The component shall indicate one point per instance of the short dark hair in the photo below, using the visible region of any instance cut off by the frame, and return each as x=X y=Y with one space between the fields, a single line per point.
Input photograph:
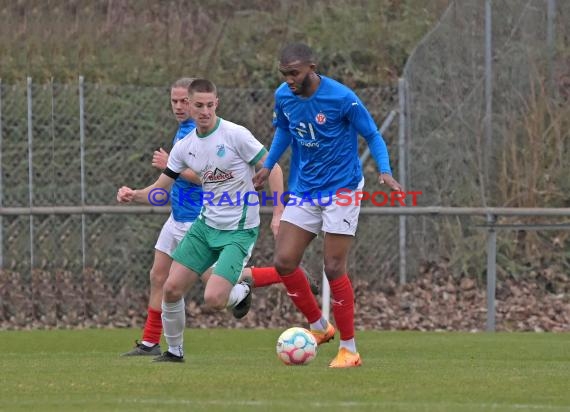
x=297 y=51
x=202 y=86
x=183 y=82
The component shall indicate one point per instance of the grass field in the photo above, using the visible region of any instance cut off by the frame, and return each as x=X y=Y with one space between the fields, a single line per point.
x=237 y=370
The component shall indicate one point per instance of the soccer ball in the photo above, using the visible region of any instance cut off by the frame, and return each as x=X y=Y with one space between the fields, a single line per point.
x=296 y=346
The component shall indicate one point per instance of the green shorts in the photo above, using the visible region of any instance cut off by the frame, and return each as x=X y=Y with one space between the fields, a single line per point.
x=203 y=246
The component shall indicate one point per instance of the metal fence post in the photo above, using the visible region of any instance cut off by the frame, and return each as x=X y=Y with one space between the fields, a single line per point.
x=55 y=245
x=30 y=184
x=491 y=271
x=1 y=188
x=402 y=176
x=82 y=161
x=492 y=235
x=488 y=97
x=326 y=296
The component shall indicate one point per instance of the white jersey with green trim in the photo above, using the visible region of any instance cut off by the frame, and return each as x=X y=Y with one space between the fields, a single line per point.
x=224 y=159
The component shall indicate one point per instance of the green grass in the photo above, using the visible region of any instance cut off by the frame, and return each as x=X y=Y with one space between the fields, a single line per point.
x=237 y=370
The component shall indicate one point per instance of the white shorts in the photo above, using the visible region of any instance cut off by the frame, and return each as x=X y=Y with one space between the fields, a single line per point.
x=337 y=215
x=171 y=234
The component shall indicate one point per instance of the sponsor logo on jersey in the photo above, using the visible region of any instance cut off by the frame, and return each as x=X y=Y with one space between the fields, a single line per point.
x=217 y=176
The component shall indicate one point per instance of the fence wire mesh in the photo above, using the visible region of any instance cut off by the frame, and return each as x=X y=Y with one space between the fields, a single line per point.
x=123 y=126
x=453 y=158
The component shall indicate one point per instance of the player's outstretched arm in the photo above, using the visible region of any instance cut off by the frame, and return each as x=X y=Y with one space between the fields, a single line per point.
x=281 y=141
x=387 y=179
x=360 y=118
x=379 y=151
x=127 y=195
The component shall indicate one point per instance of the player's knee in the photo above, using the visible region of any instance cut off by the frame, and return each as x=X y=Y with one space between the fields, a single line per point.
x=283 y=265
x=215 y=300
x=171 y=293
x=157 y=277
x=335 y=268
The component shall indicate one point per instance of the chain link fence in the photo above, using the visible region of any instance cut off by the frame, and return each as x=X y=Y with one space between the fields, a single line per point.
x=114 y=129
x=486 y=123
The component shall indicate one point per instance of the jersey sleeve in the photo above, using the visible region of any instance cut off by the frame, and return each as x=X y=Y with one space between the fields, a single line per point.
x=359 y=116
x=281 y=141
x=248 y=147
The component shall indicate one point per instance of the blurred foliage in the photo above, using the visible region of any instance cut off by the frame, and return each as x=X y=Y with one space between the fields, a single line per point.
x=234 y=42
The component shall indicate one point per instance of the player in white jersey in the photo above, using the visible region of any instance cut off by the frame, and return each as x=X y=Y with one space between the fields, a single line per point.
x=174 y=229
x=322 y=117
x=224 y=156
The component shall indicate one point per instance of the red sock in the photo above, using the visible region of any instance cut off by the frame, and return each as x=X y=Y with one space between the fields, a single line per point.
x=343 y=306
x=265 y=276
x=299 y=291
x=153 y=326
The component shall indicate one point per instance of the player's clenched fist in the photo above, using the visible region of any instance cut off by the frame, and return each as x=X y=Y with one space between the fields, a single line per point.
x=125 y=195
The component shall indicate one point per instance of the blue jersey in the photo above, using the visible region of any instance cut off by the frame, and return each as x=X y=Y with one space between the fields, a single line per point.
x=187 y=209
x=323 y=131
x=293 y=169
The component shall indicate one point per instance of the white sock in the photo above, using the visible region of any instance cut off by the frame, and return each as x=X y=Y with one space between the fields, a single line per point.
x=348 y=344
x=237 y=294
x=173 y=322
x=148 y=344
x=176 y=350
x=321 y=324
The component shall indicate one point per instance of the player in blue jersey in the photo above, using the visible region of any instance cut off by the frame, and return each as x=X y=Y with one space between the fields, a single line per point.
x=321 y=118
